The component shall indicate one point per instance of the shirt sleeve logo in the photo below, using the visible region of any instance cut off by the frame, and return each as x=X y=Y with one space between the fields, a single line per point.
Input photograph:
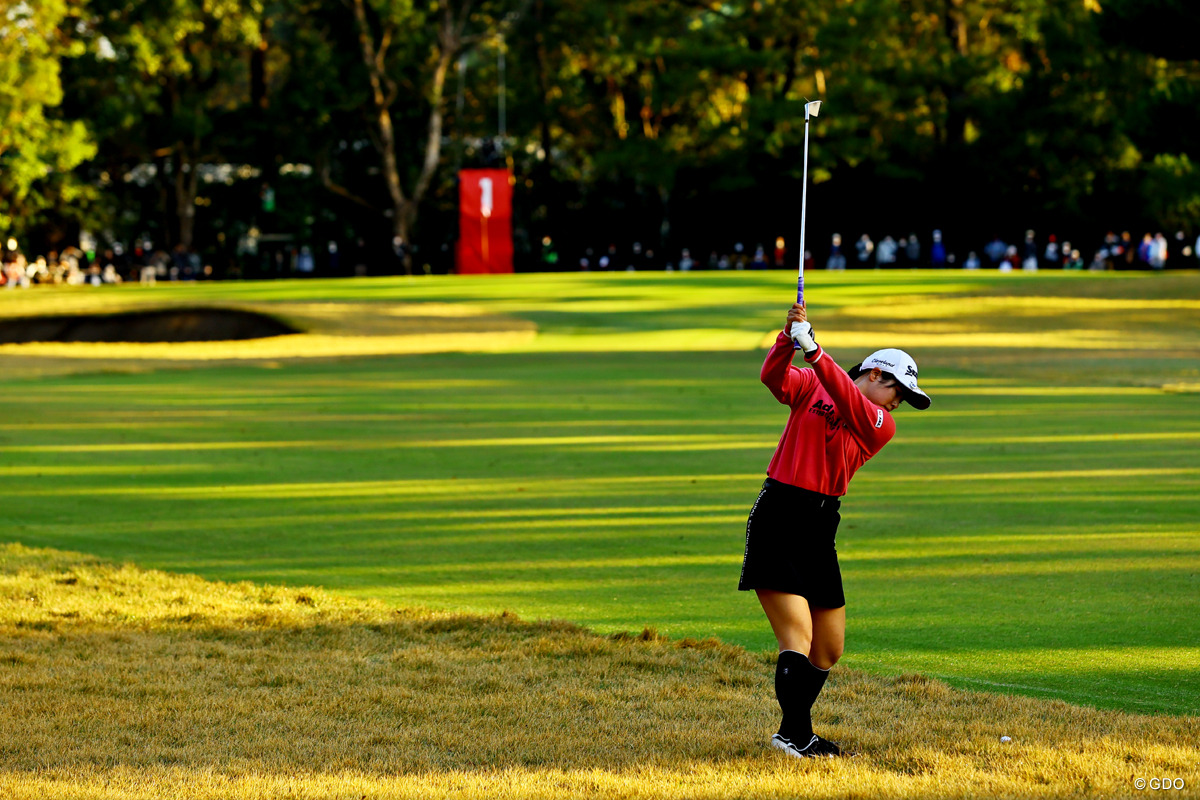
x=879 y=418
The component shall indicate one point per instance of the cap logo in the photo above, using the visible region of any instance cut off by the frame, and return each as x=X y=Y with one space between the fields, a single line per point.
x=881 y=361
x=911 y=371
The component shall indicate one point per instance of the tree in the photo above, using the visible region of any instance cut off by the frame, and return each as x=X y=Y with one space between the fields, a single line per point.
x=401 y=40
x=38 y=150
x=168 y=84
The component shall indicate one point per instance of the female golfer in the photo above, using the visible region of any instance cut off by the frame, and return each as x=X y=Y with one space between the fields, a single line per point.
x=838 y=421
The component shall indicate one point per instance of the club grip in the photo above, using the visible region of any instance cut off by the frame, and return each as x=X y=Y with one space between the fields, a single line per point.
x=800 y=290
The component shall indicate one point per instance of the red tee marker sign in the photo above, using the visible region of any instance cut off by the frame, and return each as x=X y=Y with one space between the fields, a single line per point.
x=484 y=221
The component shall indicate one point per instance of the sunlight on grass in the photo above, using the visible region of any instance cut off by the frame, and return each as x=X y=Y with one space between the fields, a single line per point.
x=58 y=470
x=1056 y=339
x=1061 y=565
x=934 y=307
x=639 y=484
x=151 y=447
x=616 y=313
x=1036 y=475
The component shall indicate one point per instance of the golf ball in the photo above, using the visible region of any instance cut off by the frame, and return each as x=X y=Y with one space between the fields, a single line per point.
x=1006 y=738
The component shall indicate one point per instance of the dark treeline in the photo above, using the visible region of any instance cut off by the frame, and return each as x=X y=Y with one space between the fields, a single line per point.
x=244 y=129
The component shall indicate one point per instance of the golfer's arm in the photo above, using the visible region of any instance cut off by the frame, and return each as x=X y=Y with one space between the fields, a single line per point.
x=868 y=423
x=785 y=381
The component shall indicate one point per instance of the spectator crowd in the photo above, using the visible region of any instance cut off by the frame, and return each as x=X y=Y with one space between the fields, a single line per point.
x=75 y=266
x=145 y=264
x=1152 y=251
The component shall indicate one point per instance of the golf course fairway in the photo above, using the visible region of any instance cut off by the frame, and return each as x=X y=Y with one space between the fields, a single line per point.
x=586 y=448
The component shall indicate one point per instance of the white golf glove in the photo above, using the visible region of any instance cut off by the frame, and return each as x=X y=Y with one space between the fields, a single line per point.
x=802 y=336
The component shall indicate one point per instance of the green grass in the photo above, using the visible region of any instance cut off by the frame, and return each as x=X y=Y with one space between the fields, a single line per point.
x=1034 y=532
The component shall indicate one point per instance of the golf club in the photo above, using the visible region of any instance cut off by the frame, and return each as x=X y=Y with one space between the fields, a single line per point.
x=811 y=109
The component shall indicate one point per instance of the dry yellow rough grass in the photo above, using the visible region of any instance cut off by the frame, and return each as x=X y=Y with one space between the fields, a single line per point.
x=117 y=682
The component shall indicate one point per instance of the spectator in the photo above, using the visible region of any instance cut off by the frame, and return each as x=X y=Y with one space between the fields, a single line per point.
x=1050 y=254
x=760 y=258
x=885 y=253
x=334 y=259
x=714 y=261
x=994 y=250
x=972 y=261
x=1010 y=260
x=1074 y=261
x=836 y=259
x=1116 y=254
x=937 y=251
x=913 y=250
x=1143 y=252
x=780 y=253
x=39 y=271
x=1158 y=251
x=739 y=256
x=1127 y=253
x=649 y=261
x=1112 y=249
x=1099 y=261
x=1030 y=250
x=685 y=260
x=864 y=247
x=304 y=261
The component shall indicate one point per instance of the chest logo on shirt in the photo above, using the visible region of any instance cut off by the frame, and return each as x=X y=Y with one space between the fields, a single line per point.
x=826 y=410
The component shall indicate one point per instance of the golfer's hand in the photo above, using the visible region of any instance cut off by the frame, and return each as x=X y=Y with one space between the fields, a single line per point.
x=803 y=337
x=797 y=313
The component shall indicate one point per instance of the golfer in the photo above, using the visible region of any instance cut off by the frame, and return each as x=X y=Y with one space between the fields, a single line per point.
x=838 y=421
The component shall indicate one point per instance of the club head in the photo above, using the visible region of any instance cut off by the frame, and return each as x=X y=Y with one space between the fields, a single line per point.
x=812 y=108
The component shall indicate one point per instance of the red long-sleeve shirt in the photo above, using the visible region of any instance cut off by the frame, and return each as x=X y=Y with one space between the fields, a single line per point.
x=833 y=428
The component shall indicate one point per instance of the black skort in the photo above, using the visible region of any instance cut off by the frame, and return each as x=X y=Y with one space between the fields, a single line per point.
x=790 y=545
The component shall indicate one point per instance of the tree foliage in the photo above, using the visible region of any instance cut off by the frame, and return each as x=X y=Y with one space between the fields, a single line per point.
x=665 y=120
x=38 y=149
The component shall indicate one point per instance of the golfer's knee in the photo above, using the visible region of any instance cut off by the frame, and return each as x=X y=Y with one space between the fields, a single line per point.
x=826 y=656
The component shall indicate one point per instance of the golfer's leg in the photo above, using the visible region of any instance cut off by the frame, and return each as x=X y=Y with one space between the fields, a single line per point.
x=828 y=636
x=789 y=617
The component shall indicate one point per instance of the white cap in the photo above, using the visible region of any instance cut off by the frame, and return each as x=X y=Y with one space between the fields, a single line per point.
x=899 y=365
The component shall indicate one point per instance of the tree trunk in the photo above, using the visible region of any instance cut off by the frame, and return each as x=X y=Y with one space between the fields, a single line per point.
x=433 y=145
x=187 y=178
x=373 y=59
x=956 y=31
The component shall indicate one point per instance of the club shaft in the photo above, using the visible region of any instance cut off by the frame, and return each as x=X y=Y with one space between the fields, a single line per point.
x=803 y=214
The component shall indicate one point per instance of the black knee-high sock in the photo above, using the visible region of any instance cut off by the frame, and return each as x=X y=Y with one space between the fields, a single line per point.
x=797 y=684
